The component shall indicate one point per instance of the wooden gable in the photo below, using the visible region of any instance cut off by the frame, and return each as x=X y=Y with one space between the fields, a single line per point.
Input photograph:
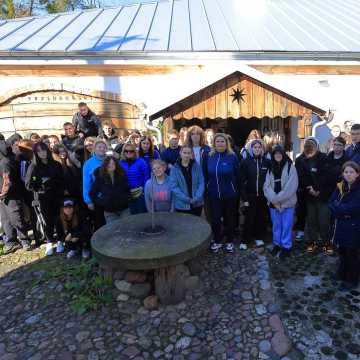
x=258 y=100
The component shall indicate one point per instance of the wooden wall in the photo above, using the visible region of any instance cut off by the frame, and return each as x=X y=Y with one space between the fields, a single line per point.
x=46 y=111
x=216 y=101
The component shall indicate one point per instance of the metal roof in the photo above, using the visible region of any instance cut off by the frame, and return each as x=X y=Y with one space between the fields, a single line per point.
x=258 y=28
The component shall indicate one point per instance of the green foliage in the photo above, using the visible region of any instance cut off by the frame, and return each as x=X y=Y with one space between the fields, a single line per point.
x=1 y=250
x=86 y=289
x=56 y=6
x=7 y=9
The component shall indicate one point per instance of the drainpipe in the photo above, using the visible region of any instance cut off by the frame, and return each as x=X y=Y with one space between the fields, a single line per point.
x=149 y=126
x=327 y=118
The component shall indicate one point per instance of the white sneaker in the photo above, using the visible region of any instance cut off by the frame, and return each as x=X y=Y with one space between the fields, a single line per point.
x=49 y=250
x=299 y=235
x=85 y=253
x=243 y=246
x=71 y=254
x=259 y=243
x=215 y=247
x=229 y=247
x=59 y=247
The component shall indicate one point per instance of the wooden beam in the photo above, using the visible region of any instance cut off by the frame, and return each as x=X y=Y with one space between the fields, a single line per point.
x=93 y=70
x=309 y=69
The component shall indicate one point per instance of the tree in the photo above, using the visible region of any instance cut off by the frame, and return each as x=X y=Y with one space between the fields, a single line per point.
x=55 y=6
x=7 y=9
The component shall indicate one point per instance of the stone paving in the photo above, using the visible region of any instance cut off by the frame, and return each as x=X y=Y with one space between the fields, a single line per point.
x=246 y=306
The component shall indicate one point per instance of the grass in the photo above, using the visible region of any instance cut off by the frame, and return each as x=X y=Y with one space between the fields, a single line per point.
x=86 y=289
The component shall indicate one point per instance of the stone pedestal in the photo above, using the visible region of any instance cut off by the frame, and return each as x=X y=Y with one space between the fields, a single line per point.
x=123 y=245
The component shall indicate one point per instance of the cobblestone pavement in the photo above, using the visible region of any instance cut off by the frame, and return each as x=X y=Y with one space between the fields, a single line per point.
x=323 y=322
x=233 y=312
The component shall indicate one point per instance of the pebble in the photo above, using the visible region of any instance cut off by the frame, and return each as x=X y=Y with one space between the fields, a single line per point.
x=131 y=351
x=281 y=344
x=122 y=286
x=260 y=309
x=189 y=329
x=264 y=346
x=151 y=302
x=33 y=319
x=183 y=343
x=82 y=335
x=246 y=295
x=122 y=297
x=140 y=291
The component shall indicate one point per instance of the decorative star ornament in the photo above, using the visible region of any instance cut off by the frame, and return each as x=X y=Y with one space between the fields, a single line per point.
x=238 y=95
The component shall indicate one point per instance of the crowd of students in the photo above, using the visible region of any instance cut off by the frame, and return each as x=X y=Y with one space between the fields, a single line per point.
x=64 y=188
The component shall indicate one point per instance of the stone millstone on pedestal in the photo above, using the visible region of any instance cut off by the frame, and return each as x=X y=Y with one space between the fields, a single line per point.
x=124 y=245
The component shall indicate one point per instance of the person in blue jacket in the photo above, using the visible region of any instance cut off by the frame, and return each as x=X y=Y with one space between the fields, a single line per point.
x=187 y=183
x=353 y=151
x=344 y=204
x=221 y=171
x=137 y=172
x=147 y=150
x=90 y=165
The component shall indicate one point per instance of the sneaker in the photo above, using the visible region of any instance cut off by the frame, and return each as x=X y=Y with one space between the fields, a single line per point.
x=299 y=235
x=284 y=253
x=59 y=247
x=243 y=246
x=312 y=248
x=49 y=250
x=259 y=243
x=275 y=251
x=10 y=247
x=215 y=247
x=229 y=247
x=71 y=254
x=26 y=245
x=85 y=253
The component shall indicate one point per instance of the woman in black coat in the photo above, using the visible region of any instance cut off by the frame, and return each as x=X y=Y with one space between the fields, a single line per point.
x=111 y=190
x=345 y=207
x=45 y=179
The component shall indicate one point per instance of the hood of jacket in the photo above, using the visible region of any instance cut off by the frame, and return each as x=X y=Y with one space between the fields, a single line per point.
x=250 y=145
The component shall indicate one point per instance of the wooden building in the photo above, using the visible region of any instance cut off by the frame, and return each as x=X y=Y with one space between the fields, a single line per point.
x=241 y=103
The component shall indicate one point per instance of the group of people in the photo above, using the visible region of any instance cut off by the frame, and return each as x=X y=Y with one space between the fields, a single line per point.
x=64 y=188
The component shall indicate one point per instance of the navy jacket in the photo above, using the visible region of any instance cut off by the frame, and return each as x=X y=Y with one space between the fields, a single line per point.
x=170 y=156
x=345 y=206
x=353 y=152
x=252 y=176
x=221 y=172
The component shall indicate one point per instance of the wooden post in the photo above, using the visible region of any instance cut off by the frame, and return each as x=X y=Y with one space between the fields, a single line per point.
x=170 y=285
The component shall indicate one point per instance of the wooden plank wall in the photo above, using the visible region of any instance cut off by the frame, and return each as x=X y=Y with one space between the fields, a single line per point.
x=216 y=102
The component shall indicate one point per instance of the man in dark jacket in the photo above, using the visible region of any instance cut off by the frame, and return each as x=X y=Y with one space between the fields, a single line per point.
x=71 y=140
x=85 y=121
x=11 y=206
x=108 y=133
x=171 y=154
x=353 y=151
x=315 y=188
x=252 y=177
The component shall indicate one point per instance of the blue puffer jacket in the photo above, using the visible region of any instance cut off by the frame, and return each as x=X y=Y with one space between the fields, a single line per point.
x=180 y=190
x=221 y=171
x=137 y=173
x=89 y=168
x=345 y=206
x=353 y=152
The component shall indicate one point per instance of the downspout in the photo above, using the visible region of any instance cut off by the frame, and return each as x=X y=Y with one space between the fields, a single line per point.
x=149 y=126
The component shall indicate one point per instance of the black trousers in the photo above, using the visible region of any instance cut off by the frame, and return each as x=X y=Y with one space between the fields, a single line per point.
x=349 y=268
x=13 y=220
x=193 y=211
x=223 y=213
x=301 y=211
x=256 y=218
x=50 y=210
x=97 y=217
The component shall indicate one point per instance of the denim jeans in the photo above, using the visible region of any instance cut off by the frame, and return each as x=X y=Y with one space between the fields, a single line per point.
x=282 y=224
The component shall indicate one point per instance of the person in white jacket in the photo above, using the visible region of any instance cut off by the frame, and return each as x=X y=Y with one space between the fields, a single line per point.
x=280 y=191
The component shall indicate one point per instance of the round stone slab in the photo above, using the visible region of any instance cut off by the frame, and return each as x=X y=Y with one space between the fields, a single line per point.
x=123 y=244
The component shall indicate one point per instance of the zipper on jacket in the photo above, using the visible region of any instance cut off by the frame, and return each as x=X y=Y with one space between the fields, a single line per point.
x=216 y=172
x=257 y=177
x=233 y=186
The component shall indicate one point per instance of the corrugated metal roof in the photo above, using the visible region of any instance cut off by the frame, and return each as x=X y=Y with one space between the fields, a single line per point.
x=239 y=26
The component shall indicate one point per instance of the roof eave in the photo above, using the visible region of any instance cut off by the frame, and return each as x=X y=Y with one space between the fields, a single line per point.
x=187 y=55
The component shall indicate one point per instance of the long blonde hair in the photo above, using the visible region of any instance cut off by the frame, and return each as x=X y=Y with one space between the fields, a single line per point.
x=229 y=149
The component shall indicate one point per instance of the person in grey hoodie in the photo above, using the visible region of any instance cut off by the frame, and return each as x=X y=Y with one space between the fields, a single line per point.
x=158 y=196
x=280 y=188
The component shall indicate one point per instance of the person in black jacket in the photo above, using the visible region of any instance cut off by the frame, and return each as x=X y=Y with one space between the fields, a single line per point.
x=73 y=230
x=253 y=171
x=71 y=140
x=108 y=133
x=110 y=190
x=316 y=189
x=85 y=121
x=11 y=207
x=45 y=179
